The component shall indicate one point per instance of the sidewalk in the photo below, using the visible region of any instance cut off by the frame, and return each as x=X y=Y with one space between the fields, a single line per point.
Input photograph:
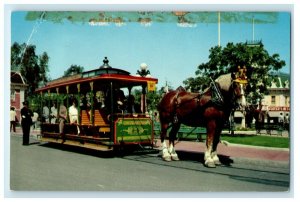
x=34 y=135
x=33 y=132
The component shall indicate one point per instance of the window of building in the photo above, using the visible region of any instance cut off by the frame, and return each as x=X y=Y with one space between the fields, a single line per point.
x=273 y=100
x=287 y=103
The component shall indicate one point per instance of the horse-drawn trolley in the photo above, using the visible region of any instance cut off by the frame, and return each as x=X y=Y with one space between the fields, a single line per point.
x=103 y=115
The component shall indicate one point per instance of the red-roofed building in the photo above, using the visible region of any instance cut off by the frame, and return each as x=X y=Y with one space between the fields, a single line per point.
x=17 y=91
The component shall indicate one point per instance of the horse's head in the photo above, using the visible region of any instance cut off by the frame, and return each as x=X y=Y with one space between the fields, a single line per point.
x=233 y=87
x=238 y=86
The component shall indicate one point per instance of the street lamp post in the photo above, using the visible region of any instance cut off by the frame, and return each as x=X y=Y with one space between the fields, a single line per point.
x=143 y=72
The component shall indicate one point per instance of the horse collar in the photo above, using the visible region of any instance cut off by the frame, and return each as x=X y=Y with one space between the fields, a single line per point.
x=216 y=96
x=176 y=99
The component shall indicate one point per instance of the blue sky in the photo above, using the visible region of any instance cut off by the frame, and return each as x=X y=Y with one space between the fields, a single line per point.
x=172 y=53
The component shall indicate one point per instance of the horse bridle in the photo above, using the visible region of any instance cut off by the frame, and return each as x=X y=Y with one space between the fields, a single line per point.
x=235 y=97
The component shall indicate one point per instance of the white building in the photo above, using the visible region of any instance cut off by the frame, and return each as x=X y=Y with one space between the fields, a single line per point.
x=277 y=103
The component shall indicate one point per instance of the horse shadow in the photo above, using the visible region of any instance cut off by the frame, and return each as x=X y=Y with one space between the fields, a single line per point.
x=199 y=157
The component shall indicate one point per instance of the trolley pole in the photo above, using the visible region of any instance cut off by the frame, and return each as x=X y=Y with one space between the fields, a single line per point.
x=92 y=103
x=78 y=104
x=143 y=104
x=67 y=89
x=112 y=112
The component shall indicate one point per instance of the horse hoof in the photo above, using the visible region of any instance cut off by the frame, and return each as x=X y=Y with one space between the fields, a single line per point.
x=215 y=159
x=210 y=164
x=217 y=163
x=174 y=158
x=167 y=158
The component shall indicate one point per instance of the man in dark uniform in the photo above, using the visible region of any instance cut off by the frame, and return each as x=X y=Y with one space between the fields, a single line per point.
x=26 y=122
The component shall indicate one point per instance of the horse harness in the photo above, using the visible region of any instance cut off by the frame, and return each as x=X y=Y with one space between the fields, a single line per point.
x=216 y=99
x=216 y=96
x=178 y=103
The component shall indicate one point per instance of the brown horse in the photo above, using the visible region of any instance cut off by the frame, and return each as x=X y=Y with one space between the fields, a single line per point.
x=210 y=109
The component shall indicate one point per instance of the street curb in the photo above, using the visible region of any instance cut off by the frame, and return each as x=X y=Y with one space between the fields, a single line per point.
x=258 y=147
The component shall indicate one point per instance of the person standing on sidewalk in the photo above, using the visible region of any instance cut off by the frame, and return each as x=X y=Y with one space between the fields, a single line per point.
x=26 y=122
x=13 y=119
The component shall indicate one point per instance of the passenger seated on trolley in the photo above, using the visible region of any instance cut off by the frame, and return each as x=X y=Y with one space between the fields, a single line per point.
x=118 y=101
x=73 y=115
x=97 y=104
x=45 y=114
x=132 y=107
x=83 y=103
x=120 y=97
x=34 y=120
x=62 y=117
x=53 y=114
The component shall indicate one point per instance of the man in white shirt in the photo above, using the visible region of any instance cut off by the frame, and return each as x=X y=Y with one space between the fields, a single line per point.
x=46 y=114
x=34 y=119
x=53 y=113
x=13 y=119
x=73 y=115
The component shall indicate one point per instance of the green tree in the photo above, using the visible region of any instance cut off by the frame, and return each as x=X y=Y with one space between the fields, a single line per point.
x=196 y=84
x=33 y=68
x=73 y=69
x=15 y=59
x=153 y=99
x=44 y=59
x=255 y=58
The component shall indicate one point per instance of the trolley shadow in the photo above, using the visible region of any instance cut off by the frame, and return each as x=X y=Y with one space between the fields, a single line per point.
x=79 y=150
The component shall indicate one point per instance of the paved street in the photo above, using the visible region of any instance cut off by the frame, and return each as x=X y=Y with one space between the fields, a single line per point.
x=46 y=167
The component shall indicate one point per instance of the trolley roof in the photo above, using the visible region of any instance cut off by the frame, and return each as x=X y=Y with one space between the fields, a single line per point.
x=99 y=78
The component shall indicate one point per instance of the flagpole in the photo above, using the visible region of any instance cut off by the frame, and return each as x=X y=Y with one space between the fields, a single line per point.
x=253 y=29
x=219 y=28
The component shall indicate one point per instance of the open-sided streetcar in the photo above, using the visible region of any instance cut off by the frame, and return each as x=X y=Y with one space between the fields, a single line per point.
x=104 y=121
